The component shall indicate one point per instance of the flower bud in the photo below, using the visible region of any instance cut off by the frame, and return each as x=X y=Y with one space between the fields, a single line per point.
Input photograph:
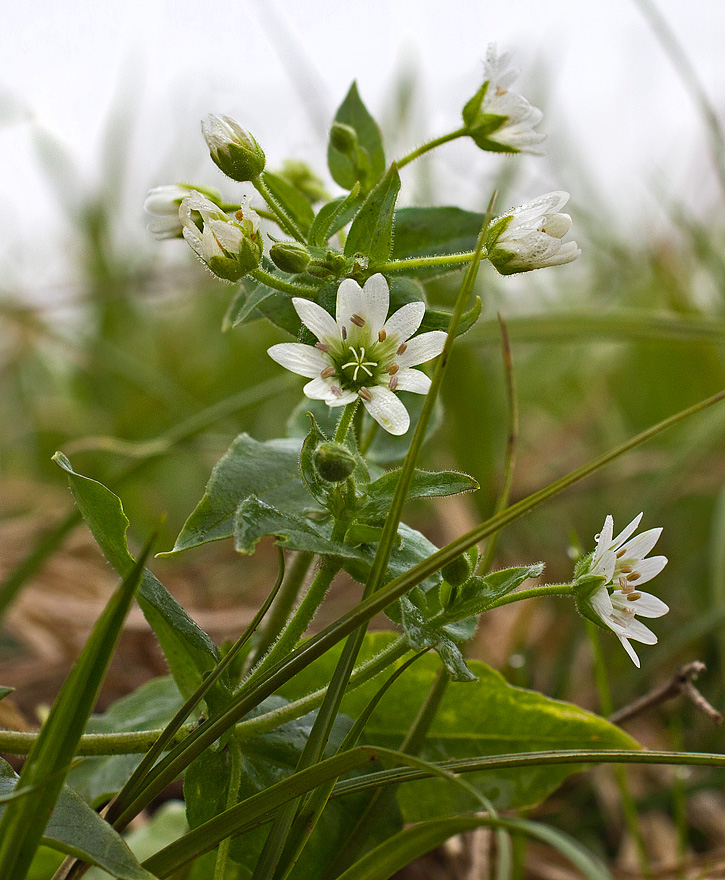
x=303 y=178
x=343 y=138
x=457 y=571
x=162 y=203
x=333 y=461
x=230 y=248
x=289 y=256
x=233 y=149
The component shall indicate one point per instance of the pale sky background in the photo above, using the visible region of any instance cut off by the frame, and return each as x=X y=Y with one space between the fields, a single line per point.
x=610 y=94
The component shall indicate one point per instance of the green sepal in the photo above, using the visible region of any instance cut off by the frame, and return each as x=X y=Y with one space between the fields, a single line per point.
x=472 y=107
x=367 y=163
x=371 y=233
x=584 y=587
x=291 y=199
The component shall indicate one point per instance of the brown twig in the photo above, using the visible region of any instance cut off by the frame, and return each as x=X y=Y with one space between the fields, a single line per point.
x=680 y=683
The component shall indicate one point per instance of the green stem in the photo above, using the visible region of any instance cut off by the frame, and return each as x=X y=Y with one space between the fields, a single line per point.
x=431 y=145
x=235 y=778
x=346 y=418
x=629 y=808
x=130 y=742
x=409 y=263
x=282 y=218
x=533 y=593
x=273 y=281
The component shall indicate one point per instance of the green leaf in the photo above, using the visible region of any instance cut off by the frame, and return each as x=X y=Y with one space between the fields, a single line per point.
x=255 y=519
x=24 y=819
x=152 y=706
x=343 y=168
x=371 y=232
x=428 y=232
x=188 y=649
x=421 y=634
x=4 y=691
x=77 y=830
x=410 y=548
x=291 y=200
x=244 y=306
x=435 y=319
x=479 y=592
x=405 y=846
x=425 y=484
x=333 y=216
x=270 y=471
x=486 y=717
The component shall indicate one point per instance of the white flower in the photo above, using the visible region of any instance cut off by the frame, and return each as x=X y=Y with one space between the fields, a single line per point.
x=232 y=148
x=360 y=354
x=162 y=203
x=229 y=247
x=622 y=562
x=530 y=237
x=498 y=119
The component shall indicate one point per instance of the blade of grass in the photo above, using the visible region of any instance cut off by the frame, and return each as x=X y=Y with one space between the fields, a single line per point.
x=24 y=820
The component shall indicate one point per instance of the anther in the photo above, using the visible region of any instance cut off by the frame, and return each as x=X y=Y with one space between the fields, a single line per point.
x=393 y=369
x=624 y=586
x=357 y=320
x=393 y=384
x=402 y=347
x=620 y=553
x=239 y=215
x=344 y=332
x=382 y=336
x=635 y=576
x=626 y=568
x=321 y=346
x=327 y=372
x=364 y=394
x=632 y=596
x=336 y=390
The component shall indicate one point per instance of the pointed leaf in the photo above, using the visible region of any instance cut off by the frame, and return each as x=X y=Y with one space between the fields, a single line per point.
x=479 y=592
x=333 y=216
x=291 y=199
x=371 y=232
x=435 y=319
x=425 y=484
x=246 y=301
x=427 y=232
x=354 y=113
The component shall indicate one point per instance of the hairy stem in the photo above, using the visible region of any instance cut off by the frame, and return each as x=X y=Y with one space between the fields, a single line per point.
x=431 y=145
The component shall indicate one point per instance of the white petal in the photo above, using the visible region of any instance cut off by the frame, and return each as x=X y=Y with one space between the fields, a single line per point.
x=605 y=564
x=646 y=605
x=422 y=348
x=604 y=538
x=228 y=235
x=344 y=398
x=376 y=300
x=349 y=302
x=602 y=605
x=387 y=410
x=641 y=545
x=403 y=324
x=194 y=241
x=557 y=225
x=649 y=568
x=412 y=380
x=164 y=227
x=567 y=253
x=626 y=532
x=320 y=322
x=629 y=649
x=301 y=359
x=319 y=389
x=640 y=633
x=549 y=203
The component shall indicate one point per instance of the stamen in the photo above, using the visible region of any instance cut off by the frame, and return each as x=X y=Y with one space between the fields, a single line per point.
x=321 y=346
x=327 y=372
x=624 y=586
x=364 y=394
x=393 y=384
x=620 y=553
x=357 y=320
x=393 y=369
x=336 y=390
x=635 y=576
x=633 y=596
x=626 y=568
x=402 y=347
x=382 y=336
x=344 y=332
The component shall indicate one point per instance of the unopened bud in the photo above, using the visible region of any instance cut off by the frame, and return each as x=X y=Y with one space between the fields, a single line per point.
x=233 y=149
x=333 y=461
x=343 y=138
x=289 y=256
x=457 y=571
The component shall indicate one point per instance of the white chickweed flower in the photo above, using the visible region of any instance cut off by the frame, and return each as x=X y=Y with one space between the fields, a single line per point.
x=361 y=354
x=232 y=148
x=622 y=562
x=530 y=237
x=500 y=120
x=162 y=203
x=230 y=247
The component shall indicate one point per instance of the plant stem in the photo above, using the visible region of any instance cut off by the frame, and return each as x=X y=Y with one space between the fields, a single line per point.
x=235 y=778
x=283 y=219
x=629 y=808
x=532 y=593
x=345 y=421
x=405 y=265
x=431 y=145
x=270 y=280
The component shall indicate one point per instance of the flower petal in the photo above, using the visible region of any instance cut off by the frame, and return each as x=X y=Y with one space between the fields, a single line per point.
x=649 y=568
x=602 y=605
x=640 y=546
x=617 y=542
x=387 y=410
x=301 y=359
x=412 y=380
x=422 y=348
x=629 y=649
x=403 y=324
x=319 y=389
x=376 y=300
x=349 y=302
x=646 y=605
x=604 y=538
x=319 y=321
x=640 y=633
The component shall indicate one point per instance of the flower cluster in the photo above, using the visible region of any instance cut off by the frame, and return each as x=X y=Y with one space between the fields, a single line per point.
x=623 y=565
x=530 y=237
x=360 y=354
x=498 y=119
